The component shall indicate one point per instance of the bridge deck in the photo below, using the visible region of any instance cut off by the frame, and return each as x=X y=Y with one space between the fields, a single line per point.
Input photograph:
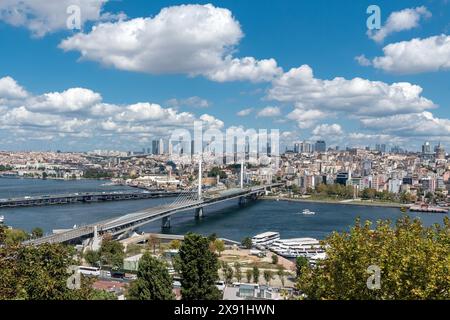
x=134 y=220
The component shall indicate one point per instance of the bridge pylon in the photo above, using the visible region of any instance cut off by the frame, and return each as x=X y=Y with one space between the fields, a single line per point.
x=242 y=174
x=165 y=223
x=200 y=179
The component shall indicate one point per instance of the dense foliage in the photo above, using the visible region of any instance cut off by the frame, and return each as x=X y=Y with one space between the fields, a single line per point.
x=198 y=267
x=153 y=282
x=414 y=262
x=41 y=273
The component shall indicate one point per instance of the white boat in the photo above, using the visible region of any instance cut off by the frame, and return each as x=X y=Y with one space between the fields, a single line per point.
x=307 y=212
x=265 y=239
x=2 y=219
x=292 y=248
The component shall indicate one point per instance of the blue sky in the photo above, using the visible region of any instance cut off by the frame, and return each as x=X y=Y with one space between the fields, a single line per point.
x=126 y=91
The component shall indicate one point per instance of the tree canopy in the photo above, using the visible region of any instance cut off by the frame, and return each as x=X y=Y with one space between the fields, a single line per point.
x=198 y=267
x=41 y=273
x=414 y=262
x=153 y=282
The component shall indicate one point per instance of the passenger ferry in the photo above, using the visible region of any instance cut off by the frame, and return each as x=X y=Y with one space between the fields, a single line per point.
x=293 y=248
x=265 y=239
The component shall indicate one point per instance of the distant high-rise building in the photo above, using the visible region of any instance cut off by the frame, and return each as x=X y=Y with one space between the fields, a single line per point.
x=320 y=146
x=380 y=148
x=158 y=147
x=440 y=152
x=426 y=148
x=306 y=147
x=297 y=147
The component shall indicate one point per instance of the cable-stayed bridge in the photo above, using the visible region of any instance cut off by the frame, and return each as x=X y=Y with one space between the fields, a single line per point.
x=185 y=201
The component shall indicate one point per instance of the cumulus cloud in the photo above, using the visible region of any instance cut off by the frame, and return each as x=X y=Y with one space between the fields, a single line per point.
x=195 y=102
x=43 y=16
x=363 y=61
x=328 y=130
x=269 y=112
x=81 y=113
x=416 y=56
x=71 y=100
x=423 y=124
x=10 y=89
x=186 y=39
x=306 y=118
x=244 y=112
x=357 y=96
x=399 y=21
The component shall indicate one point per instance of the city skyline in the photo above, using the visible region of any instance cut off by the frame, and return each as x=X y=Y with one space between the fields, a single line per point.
x=240 y=74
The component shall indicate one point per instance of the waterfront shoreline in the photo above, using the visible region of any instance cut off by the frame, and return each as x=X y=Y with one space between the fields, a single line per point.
x=362 y=204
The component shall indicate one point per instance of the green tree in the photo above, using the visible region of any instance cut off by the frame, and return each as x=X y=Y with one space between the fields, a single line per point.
x=300 y=264
x=247 y=243
x=281 y=274
x=227 y=272
x=255 y=273
x=153 y=282
x=414 y=262
x=268 y=275
x=249 y=275
x=92 y=257
x=40 y=273
x=15 y=236
x=112 y=253
x=37 y=233
x=153 y=242
x=214 y=172
x=220 y=246
x=198 y=268
x=175 y=244
x=274 y=259
x=238 y=271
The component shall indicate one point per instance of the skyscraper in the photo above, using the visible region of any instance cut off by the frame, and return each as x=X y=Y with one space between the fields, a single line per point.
x=320 y=146
x=426 y=148
x=158 y=147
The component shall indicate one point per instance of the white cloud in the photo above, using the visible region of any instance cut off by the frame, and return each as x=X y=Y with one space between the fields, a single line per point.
x=186 y=39
x=43 y=16
x=306 y=118
x=363 y=61
x=358 y=97
x=269 y=112
x=244 y=112
x=399 y=21
x=10 y=89
x=416 y=56
x=247 y=68
x=423 y=124
x=328 y=130
x=81 y=113
x=71 y=100
x=211 y=121
x=195 y=102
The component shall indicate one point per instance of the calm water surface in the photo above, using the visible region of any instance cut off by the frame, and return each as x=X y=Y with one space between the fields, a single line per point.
x=228 y=220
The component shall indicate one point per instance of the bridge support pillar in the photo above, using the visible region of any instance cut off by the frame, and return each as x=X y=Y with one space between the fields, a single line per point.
x=199 y=213
x=242 y=201
x=165 y=223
